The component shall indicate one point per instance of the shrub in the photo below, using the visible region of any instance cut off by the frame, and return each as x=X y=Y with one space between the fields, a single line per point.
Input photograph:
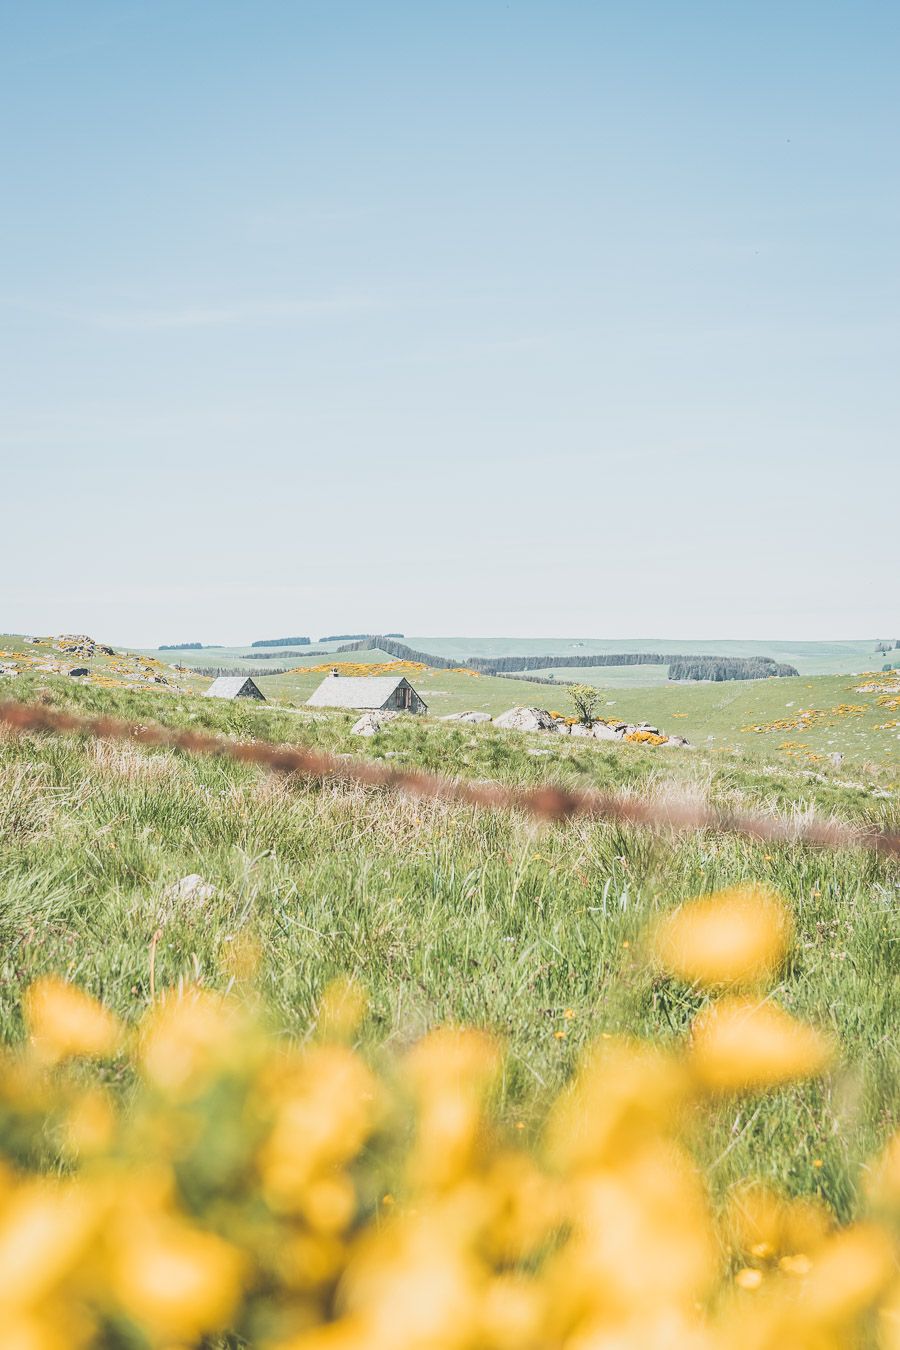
x=585 y=700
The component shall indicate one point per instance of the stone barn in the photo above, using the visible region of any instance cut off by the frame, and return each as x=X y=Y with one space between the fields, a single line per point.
x=369 y=693
x=234 y=686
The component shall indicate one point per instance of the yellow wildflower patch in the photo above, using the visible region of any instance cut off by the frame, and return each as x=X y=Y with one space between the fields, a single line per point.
x=291 y=1197
x=361 y=668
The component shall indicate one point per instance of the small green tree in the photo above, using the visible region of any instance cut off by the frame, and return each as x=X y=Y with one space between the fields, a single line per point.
x=585 y=699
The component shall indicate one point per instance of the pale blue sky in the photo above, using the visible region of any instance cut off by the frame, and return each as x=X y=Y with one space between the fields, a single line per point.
x=527 y=318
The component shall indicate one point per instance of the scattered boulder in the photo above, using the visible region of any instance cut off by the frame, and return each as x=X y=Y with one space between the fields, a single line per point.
x=79 y=644
x=538 y=719
x=601 y=732
x=525 y=719
x=371 y=723
x=191 y=890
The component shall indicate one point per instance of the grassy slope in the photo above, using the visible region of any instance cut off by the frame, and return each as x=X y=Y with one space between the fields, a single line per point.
x=443 y=913
x=716 y=716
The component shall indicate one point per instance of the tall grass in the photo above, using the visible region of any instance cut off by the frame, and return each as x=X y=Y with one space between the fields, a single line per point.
x=443 y=913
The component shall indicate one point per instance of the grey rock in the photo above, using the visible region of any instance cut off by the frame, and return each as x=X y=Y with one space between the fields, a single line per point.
x=601 y=732
x=372 y=722
x=525 y=719
x=191 y=889
x=579 y=729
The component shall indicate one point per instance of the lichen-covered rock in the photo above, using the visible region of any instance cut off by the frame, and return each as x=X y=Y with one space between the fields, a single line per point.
x=79 y=644
x=601 y=732
x=372 y=722
x=191 y=890
x=525 y=719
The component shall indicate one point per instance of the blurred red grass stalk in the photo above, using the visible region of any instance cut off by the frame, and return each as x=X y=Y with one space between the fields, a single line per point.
x=548 y=802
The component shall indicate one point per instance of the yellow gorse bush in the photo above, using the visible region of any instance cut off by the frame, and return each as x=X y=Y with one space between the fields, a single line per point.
x=293 y=1198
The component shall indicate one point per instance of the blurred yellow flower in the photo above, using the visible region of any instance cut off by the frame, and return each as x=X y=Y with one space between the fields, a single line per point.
x=740 y=1044
x=45 y=1230
x=187 y=1040
x=883 y=1185
x=64 y=1021
x=450 y=1072
x=173 y=1279
x=848 y=1275
x=737 y=936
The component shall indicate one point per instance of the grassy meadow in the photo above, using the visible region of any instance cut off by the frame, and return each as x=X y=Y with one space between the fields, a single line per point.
x=764 y=718
x=445 y=914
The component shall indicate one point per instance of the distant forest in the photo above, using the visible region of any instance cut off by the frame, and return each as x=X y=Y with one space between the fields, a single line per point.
x=354 y=637
x=726 y=668
x=680 y=667
x=213 y=672
x=180 y=647
x=282 y=642
x=280 y=655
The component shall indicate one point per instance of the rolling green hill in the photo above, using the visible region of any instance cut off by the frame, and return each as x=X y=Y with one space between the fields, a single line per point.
x=810 y=658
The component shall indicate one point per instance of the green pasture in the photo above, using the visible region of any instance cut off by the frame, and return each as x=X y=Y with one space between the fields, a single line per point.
x=444 y=913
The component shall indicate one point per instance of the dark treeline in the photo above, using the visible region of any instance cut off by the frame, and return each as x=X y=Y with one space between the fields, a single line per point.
x=714 y=667
x=213 y=672
x=499 y=665
x=385 y=643
x=281 y=642
x=354 y=637
x=280 y=655
x=727 y=668
x=180 y=647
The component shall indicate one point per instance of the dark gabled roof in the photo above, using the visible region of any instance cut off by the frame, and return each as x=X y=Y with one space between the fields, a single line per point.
x=230 y=686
